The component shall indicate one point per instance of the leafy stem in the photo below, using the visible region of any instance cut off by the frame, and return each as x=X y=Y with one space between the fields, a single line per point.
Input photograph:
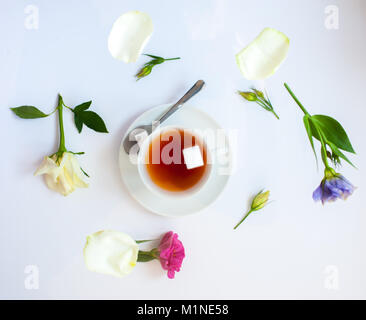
x=71 y=109
x=61 y=148
x=323 y=148
x=296 y=100
x=328 y=131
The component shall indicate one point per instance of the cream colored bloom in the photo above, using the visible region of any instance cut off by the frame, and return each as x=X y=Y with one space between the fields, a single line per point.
x=110 y=252
x=63 y=176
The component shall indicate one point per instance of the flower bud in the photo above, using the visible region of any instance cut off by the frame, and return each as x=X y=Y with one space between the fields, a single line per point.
x=260 y=200
x=250 y=96
x=259 y=93
x=144 y=72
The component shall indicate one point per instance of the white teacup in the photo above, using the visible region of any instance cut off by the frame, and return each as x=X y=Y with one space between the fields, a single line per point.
x=145 y=176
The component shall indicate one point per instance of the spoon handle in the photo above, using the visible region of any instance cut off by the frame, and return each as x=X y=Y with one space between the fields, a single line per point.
x=189 y=94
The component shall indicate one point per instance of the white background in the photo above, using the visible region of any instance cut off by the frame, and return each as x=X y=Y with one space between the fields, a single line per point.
x=281 y=252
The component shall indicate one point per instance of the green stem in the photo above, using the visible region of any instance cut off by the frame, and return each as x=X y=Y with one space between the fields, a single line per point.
x=295 y=98
x=275 y=114
x=263 y=105
x=61 y=147
x=266 y=104
x=239 y=223
x=172 y=59
x=146 y=256
x=142 y=241
x=323 y=148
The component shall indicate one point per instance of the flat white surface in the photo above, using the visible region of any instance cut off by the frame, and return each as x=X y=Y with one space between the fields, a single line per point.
x=282 y=251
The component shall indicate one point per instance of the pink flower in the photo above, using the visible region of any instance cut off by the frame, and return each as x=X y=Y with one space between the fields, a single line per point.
x=171 y=253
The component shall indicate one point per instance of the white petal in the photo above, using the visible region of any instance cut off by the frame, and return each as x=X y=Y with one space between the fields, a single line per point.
x=129 y=35
x=262 y=57
x=56 y=185
x=46 y=166
x=110 y=252
x=73 y=171
x=65 y=183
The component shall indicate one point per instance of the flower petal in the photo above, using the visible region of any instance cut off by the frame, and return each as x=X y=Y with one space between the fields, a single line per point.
x=52 y=184
x=65 y=182
x=110 y=252
x=317 y=194
x=74 y=172
x=332 y=188
x=46 y=166
x=171 y=253
x=262 y=57
x=129 y=35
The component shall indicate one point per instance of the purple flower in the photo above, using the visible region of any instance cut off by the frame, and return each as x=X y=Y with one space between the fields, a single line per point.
x=332 y=187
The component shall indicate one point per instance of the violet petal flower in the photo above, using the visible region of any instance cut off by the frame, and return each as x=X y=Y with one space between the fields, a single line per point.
x=334 y=186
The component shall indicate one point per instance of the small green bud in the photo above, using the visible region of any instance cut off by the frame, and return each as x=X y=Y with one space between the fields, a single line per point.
x=250 y=96
x=258 y=93
x=144 y=72
x=260 y=200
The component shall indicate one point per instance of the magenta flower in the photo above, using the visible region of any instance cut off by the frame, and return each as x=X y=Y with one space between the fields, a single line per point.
x=171 y=253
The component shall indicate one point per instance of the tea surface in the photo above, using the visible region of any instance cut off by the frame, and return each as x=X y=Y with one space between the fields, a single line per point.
x=165 y=162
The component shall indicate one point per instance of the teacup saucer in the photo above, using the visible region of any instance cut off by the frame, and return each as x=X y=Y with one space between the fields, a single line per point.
x=189 y=117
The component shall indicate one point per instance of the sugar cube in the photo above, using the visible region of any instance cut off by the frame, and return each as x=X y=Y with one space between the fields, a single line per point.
x=193 y=157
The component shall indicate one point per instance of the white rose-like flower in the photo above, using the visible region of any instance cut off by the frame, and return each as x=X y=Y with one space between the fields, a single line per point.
x=110 y=252
x=63 y=176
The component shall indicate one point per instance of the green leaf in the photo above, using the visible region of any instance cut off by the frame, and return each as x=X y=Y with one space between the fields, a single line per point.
x=84 y=172
x=144 y=256
x=339 y=153
x=82 y=107
x=333 y=132
x=155 y=57
x=78 y=122
x=93 y=121
x=307 y=120
x=29 y=112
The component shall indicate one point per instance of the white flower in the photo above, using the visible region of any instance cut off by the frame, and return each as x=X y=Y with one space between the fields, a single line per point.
x=129 y=35
x=63 y=176
x=262 y=57
x=110 y=252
